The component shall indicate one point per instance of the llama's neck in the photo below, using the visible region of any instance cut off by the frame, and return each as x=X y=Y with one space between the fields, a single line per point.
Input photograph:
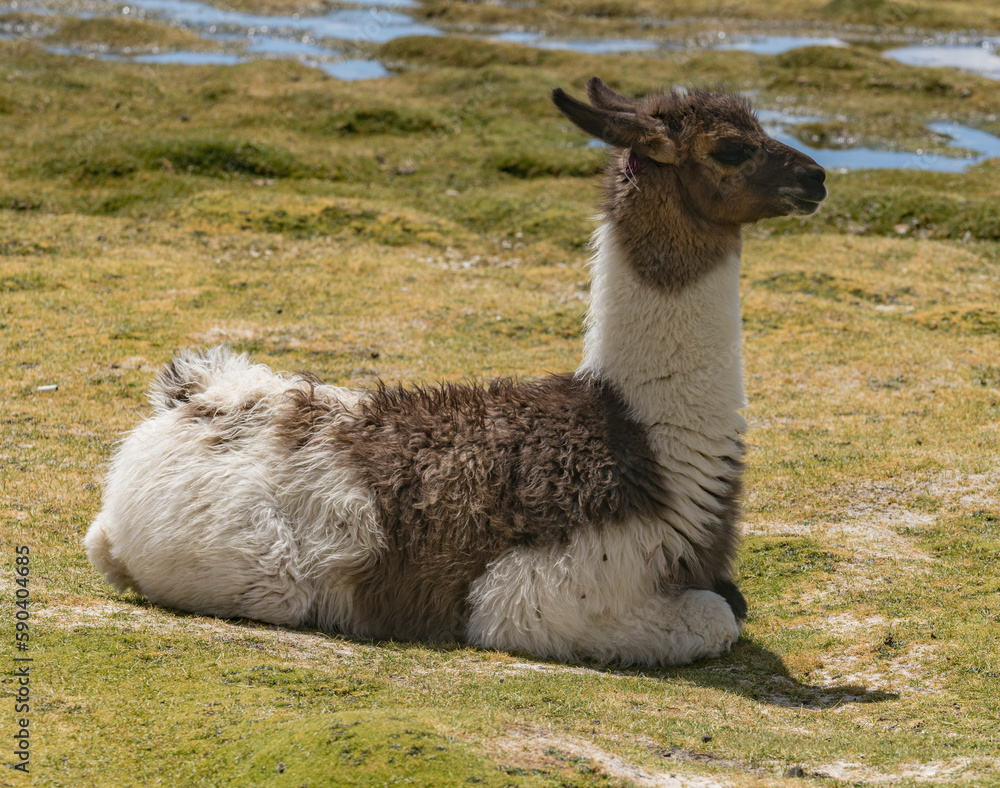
x=675 y=356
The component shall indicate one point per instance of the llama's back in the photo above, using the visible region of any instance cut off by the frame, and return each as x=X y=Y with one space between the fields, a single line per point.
x=190 y=516
x=190 y=374
x=215 y=378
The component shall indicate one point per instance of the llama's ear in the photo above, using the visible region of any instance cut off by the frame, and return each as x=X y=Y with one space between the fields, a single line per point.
x=620 y=129
x=601 y=95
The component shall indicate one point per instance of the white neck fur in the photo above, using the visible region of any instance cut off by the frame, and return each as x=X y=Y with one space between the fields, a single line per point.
x=675 y=357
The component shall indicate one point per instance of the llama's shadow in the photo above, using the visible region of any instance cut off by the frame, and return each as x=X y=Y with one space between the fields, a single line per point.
x=758 y=673
x=749 y=669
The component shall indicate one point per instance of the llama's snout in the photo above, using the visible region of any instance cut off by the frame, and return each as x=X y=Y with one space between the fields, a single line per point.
x=812 y=186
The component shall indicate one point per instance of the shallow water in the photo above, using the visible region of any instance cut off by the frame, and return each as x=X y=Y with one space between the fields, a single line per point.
x=775 y=45
x=982 y=145
x=593 y=46
x=272 y=45
x=346 y=70
x=777 y=118
x=377 y=21
x=977 y=58
x=189 y=58
x=243 y=37
x=374 y=24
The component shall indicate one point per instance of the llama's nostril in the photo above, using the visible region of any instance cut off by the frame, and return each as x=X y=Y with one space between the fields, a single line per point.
x=818 y=174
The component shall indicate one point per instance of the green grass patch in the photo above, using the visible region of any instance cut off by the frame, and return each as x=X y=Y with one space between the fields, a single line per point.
x=384 y=120
x=121 y=34
x=434 y=226
x=965 y=319
x=214 y=157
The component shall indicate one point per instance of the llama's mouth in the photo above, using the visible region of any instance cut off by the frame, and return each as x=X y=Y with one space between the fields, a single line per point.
x=803 y=206
x=806 y=201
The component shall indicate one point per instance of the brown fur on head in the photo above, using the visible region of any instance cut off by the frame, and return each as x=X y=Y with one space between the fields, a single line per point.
x=733 y=171
x=692 y=169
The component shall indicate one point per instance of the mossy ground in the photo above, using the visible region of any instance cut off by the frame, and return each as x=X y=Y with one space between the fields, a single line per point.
x=432 y=226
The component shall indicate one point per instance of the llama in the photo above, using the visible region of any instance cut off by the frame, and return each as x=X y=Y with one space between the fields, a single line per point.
x=585 y=516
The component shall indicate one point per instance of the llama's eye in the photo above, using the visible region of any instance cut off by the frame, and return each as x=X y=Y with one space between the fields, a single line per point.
x=733 y=154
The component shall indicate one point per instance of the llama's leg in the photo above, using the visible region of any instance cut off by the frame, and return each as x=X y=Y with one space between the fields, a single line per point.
x=729 y=591
x=277 y=591
x=573 y=602
x=668 y=629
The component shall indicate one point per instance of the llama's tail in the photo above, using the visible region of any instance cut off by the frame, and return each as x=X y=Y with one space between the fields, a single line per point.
x=194 y=372
x=98 y=544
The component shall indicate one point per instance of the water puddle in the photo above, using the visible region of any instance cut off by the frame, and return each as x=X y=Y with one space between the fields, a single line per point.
x=977 y=58
x=774 y=45
x=762 y=44
x=983 y=146
x=189 y=58
x=374 y=24
x=354 y=69
x=594 y=46
x=242 y=37
x=245 y=36
x=344 y=69
x=286 y=47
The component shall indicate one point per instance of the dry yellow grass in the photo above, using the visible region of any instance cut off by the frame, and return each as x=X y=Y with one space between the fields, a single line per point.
x=278 y=218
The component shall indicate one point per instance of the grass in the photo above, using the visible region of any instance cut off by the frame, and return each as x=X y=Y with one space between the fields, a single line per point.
x=432 y=226
x=677 y=20
x=119 y=34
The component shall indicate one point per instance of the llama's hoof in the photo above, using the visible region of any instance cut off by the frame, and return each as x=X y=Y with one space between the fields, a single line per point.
x=710 y=623
x=728 y=590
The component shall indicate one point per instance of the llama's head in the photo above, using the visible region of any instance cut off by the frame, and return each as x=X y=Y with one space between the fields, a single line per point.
x=709 y=148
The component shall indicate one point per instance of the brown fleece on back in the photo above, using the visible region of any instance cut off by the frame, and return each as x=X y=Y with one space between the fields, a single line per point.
x=460 y=474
